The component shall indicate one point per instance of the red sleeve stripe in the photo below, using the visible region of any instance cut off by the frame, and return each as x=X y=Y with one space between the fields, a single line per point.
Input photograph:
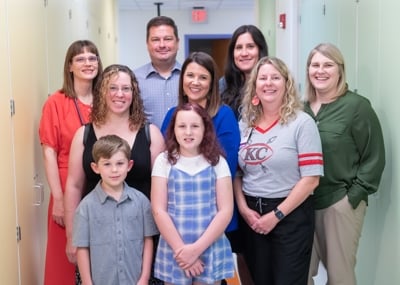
x=302 y=155
x=310 y=159
x=311 y=162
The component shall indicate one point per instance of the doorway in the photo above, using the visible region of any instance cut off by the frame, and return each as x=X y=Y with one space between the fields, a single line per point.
x=214 y=45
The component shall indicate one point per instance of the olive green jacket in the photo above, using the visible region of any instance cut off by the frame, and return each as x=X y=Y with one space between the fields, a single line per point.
x=353 y=150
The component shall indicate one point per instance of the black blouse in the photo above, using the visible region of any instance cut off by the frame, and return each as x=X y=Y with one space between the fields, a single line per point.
x=139 y=177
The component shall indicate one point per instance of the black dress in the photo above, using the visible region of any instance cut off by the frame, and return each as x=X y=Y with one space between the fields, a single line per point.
x=139 y=177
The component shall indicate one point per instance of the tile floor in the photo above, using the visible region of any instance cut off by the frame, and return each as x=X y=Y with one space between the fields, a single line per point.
x=320 y=279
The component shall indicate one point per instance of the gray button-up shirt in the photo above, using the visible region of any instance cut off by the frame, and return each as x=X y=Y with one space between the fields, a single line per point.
x=114 y=232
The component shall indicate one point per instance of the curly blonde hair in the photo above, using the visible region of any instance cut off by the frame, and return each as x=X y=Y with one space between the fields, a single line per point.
x=291 y=102
x=137 y=117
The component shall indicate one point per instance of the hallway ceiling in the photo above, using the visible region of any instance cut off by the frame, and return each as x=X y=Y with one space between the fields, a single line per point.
x=185 y=4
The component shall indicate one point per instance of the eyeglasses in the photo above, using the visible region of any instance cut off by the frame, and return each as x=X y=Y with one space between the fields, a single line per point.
x=124 y=89
x=83 y=60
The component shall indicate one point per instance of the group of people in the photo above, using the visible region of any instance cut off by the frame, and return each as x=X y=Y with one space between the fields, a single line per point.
x=170 y=175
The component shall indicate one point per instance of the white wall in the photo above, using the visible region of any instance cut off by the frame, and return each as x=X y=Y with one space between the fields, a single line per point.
x=365 y=31
x=132 y=30
x=34 y=37
x=287 y=38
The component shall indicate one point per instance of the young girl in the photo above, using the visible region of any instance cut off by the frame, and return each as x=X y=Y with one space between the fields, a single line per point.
x=192 y=202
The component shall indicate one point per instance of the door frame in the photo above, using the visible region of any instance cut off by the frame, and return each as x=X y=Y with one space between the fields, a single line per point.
x=220 y=40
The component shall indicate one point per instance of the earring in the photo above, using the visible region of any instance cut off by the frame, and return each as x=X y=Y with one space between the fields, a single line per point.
x=255 y=101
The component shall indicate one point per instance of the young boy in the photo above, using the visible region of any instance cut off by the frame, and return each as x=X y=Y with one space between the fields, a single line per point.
x=113 y=224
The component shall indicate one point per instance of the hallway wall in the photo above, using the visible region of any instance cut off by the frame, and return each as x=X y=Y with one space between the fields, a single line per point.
x=34 y=36
x=365 y=32
x=132 y=30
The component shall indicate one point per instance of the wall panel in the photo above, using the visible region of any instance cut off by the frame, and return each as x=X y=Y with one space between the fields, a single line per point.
x=34 y=36
x=29 y=84
x=381 y=75
x=8 y=245
x=365 y=31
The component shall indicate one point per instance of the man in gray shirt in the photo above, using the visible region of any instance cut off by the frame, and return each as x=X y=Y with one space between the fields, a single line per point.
x=159 y=79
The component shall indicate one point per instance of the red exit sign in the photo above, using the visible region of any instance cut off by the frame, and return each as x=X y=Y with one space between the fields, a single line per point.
x=199 y=15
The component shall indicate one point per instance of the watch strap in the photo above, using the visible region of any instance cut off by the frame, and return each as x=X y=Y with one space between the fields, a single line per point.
x=279 y=214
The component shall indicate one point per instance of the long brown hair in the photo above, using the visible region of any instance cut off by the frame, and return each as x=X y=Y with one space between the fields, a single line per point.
x=213 y=98
x=74 y=49
x=235 y=78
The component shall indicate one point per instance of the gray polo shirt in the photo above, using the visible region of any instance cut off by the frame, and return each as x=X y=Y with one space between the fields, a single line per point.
x=114 y=231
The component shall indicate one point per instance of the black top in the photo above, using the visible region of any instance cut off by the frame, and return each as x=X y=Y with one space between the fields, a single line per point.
x=139 y=177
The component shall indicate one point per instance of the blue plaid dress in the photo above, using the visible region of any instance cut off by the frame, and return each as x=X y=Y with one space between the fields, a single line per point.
x=192 y=205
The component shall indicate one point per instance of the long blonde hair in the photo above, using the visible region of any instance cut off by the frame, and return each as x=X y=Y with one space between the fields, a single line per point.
x=290 y=104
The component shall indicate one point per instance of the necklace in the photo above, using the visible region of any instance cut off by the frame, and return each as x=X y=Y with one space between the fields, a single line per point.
x=79 y=111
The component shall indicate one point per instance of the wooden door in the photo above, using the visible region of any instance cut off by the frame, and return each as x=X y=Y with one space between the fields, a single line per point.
x=219 y=51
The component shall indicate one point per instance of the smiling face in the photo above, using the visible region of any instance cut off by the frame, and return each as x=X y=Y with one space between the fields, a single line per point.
x=189 y=132
x=323 y=74
x=246 y=53
x=84 y=66
x=162 y=45
x=196 y=83
x=270 y=86
x=119 y=96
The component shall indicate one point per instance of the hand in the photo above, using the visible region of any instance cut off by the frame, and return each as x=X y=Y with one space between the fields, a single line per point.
x=70 y=250
x=58 y=212
x=186 y=256
x=195 y=270
x=250 y=216
x=265 y=224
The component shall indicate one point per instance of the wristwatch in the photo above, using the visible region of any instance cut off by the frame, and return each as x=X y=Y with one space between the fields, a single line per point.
x=279 y=214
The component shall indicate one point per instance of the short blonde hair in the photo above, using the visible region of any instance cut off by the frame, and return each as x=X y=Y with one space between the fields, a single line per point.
x=333 y=53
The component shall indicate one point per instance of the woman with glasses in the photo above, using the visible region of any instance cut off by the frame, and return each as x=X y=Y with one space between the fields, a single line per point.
x=63 y=113
x=117 y=109
x=354 y=159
